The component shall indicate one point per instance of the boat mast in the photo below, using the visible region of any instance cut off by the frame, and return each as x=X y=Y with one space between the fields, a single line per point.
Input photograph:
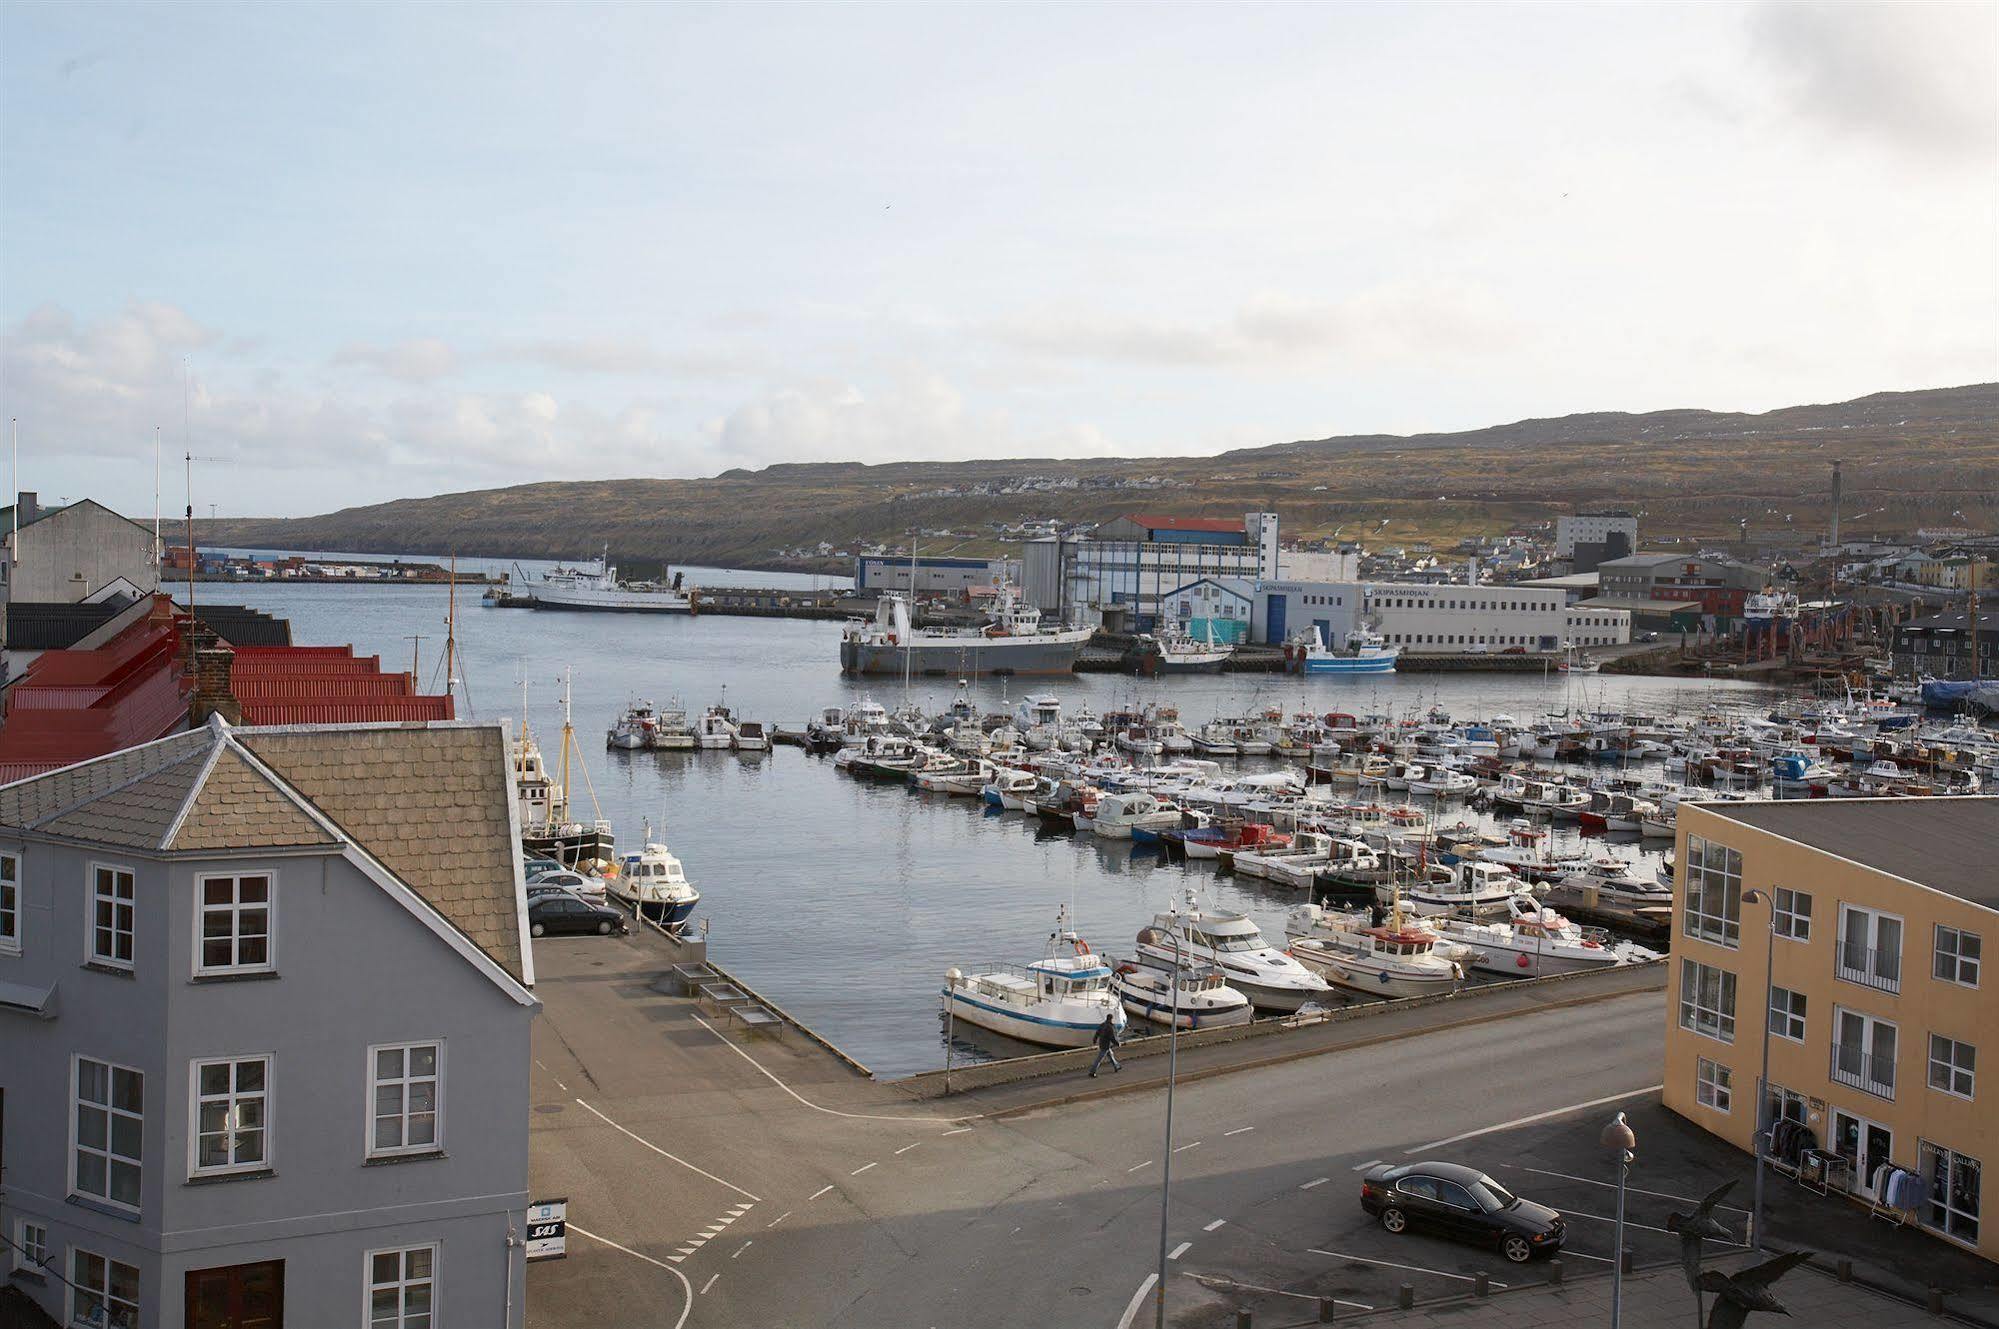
x=451 y=637
x=567 y=733
x=909 y=643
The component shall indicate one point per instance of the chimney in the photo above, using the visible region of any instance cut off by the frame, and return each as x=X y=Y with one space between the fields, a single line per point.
x=28 y=507
x=213 y=666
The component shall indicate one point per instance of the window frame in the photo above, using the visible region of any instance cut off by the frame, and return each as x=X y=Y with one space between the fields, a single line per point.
x=1952 y=1067
x=1716 y=1091
x=91 y=955
x=1726 y=928
x=1794 y=1014
x=1870 y=1024
x=1790 y=923
x=1726 y=992
x=1928 y=1153
x=402 y=1253
x=435 y=1145
x=12 y=913
x=111 y=1111
x=1957 y=956
x=23 y=1262
x=195 y=1099
x=78 y=1289
x=1870 y=974
x=202 y=969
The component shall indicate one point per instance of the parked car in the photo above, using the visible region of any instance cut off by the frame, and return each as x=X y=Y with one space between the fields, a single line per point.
x=534 y=867
x=1452 y=1200
x=576 y=883
x=538 y=889
x=1648 y=636
x=555 y=914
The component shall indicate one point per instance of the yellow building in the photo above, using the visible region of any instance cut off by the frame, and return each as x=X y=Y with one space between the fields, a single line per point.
x=1871 y=915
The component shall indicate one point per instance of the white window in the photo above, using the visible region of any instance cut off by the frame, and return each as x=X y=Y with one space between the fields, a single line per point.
x=1713 y=909
x=1863 y=1052
x=1957 y=956
x=1953 y=1065
x=109 y=1125
x=1713 y=1084
x=402 y=1288
x=1793 y=914
x=10 y=903
x=31 y=1246
x=1707 y=1000
x=1787 y=1014
x=235 y=925
x=232 y=1102
x=101 y=1291
x=111 y=916
x=405 y=1088
x=1870 y=948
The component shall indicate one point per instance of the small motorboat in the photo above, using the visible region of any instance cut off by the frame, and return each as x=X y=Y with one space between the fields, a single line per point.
x=1204 y=1000
x=1057 y=1001
x=1474 y=889
x=1295 y=865
x=1118 y=816
x=1008 y=785
x=716 y=730
x=1389 y=959
x=654 y=886
x=1533 y=940
x=1615 y=882
x=752 y=736
x=1214 y=841
x=1229 y=941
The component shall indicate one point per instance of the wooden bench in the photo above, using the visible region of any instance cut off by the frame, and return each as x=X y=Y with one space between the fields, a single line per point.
x=755 y=1017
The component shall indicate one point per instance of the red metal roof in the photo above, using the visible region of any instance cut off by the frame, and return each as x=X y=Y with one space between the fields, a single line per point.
x=71 y=706
x=326 y=685
x=1158 y=523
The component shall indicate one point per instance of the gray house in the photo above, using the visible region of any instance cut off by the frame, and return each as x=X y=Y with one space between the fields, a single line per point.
x=265 y=997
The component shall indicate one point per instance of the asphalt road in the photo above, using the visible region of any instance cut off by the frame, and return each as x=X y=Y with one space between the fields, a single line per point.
x=716 y=1183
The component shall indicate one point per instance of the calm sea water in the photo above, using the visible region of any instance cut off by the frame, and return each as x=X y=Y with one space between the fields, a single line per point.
x=846 y=901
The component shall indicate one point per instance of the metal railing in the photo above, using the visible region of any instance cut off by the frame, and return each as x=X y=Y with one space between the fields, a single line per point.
x=1863 y=1070
x=1868 y=966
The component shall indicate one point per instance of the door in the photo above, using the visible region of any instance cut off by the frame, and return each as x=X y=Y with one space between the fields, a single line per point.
x=1274 y=631
x=241 y=1296
x=1458 y=1212
x=1866 y=1145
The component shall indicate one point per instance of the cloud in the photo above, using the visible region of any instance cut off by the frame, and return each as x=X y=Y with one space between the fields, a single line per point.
x=1920 y=77
x=423 y=360
x=629 y=358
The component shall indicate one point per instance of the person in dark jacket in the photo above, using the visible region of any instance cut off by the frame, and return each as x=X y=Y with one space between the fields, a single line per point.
x=1106 y=1047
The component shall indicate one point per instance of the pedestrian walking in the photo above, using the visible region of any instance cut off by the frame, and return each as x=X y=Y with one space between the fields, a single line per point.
x=1106 y=1045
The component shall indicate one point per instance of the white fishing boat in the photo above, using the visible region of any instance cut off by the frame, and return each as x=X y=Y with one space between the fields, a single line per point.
x=1012 y=642
x=1204 y=999
x=671 y=732
x=1229 y=941
x=1389 y=959
x=635 y=728
x=1118 y=815
x=1295 y=864
x=715 y=730
x=1175 y=651
x=1008 y=786
x=653 y=884
x=1443 y=782
x=1057 y=1001
x=1473 y=889
x=1532 y=940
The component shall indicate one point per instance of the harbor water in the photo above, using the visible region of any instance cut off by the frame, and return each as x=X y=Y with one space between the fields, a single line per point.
x=846 y=901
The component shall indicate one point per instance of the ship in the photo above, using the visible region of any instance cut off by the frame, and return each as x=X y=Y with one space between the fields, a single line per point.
x=1365 y=652
x=1012 y=641
x=1179 y=652
x=601 y=590
x=548 y=831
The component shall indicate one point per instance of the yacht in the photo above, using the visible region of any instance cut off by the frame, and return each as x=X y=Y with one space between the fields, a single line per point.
x=1473 y=888
x=602 y=590
x=1533 y=940
x=654 y=885
x=1232 y=943
x=1058 y=1001
x=1615 y=882
x=1012 y=642
x=1387 y=959
x=1204 y=1000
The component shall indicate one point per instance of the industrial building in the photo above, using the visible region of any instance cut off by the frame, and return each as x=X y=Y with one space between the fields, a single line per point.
x=1868 y=918
x=1211 y=609
x=1587 y=539
x=1439 y=618
x=933 y=576
x=1940 y=646
x=1718 y=585
x=1119 y=576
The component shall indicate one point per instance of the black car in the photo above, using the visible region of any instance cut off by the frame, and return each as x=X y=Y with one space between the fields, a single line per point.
x=1461 y=1202
x=553 y=914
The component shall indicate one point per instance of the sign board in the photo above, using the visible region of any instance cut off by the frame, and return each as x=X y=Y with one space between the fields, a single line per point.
x=548 y=1229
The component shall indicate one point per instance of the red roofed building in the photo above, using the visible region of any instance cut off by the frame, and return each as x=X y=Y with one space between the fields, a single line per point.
x=325 y=685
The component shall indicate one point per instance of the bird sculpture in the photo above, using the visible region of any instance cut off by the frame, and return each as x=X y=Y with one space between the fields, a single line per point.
x=1739 y=1294
x=1701 y=1225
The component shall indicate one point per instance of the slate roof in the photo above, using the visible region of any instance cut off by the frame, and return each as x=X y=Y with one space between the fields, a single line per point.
x=41 y=625
x=240 y=625
x=432 y=804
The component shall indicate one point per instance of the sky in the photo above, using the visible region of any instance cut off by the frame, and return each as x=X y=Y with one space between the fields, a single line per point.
x=349 y=253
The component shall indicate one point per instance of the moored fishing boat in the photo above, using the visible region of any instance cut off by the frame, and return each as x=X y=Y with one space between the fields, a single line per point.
x=1012 y=642
x=1387 y=959
x=1204 y=999
x=1057 y=1001
x=654 y=886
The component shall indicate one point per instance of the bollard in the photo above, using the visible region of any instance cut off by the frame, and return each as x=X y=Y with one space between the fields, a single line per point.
x=1406 y=1298
x=1328 y=1308
x=1843 y=1270
x=1554 y=1271
x=1629 y=1259
x=1241 y=1318
x=1936 y=1301
x=1481 y=1284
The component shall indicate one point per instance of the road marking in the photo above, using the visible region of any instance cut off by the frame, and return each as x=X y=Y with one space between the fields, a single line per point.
x=745 y=1246
x=1212 y=1226
x=663 y=1154
x=1146 y=1163
x=1642 y=1227
x=1362 y=1167
x=710 y=1283
x=1232 y=1284
x=831 y=1112
x=1316 y=1181
x=687 y=1287
x=1124 y=1321
x=1179 y=1250
x=1611 y=1186
x=859 y=1170
x=1390 y=1264
x=1565 y=1253
x=1237 y=1131
x=906 y=1148
x=960 y=1131
x=1193 y=1144
x=775 y=1221
x=1538 y=1116
x=816 y=1194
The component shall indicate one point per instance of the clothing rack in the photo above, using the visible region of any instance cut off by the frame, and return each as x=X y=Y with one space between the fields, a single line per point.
x=1899 y=1194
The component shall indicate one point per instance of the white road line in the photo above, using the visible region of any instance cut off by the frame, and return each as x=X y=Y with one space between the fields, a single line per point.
x=816 y=1194
x=1316 y=1181
x=710 y=1283
x=960 y=1131
x=831 y=1112
x=1565 y=1253
x=1146 y=1163
x=1611 y=1186
x=745 y=1246
x=1599 y=1218
x=906 y=1148
x=1233 y=1285
x=1179 y=1250
x=687 y=1287
x=1528 y=1121
x=1237 y=1131
x=1362 y=1167
x=1192 y=1144
x=663 y=1154
x=1212 y=1226
x=859 y=1170
x=775 y=1221
x=1390 y=1264
x=1124 y=1321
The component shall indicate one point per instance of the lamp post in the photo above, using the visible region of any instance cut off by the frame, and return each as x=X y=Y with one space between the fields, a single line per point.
x=1764 y=1124
x=1166 y=1175
x=1618 y=1137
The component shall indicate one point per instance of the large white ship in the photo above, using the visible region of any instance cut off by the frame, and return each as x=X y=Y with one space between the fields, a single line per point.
x=601 y=590
x=1012 y=642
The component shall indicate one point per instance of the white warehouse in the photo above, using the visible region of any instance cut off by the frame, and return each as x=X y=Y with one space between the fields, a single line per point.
x=1442 y=618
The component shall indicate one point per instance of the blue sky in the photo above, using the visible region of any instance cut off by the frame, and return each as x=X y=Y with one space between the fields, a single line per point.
x=400 y=250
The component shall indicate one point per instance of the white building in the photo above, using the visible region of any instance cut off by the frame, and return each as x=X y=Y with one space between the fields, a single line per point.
x=1436 y=618
x=1119 y=576
x=1593 y=528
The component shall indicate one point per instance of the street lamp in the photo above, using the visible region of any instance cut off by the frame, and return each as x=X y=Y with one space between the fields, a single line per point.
x=1619 y=1137
x=1759 y=1142
x=1166 y=1176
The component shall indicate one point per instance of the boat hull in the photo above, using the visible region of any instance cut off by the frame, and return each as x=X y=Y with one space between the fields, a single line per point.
x=1340 y=665
x=613 y=602
x=989 y=655
x=1042 y=1030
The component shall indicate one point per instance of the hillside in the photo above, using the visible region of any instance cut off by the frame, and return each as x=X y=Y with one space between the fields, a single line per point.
x=1912 y=458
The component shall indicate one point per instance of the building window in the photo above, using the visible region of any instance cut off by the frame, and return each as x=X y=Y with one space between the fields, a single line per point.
x=405 y=1084
x=1713 y=909
x=1707 y=1000
x=235 y=925
x=232 y=1114
x=31 y=1246
x=1793 y=914
x=1957 y=956
x=1953 y=1065
x=1787 y=1014
x=1870 y=948
x=111 y=916
x=102 y=1292
x=10 y=903
x=1712 y=1084
x=1954 y=1184
x=110 y=1119
x=1863 y=1052
x=402 y=1288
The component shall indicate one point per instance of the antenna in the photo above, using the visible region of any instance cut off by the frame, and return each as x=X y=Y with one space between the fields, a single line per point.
x=158 y=552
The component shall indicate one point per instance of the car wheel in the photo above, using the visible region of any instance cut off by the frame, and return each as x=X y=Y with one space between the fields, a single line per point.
x=604 y=928
x=1516 y=1249
x=1394 y=1220
x=537 y=930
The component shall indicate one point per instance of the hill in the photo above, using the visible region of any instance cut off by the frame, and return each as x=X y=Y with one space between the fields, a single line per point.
x=1912 y=458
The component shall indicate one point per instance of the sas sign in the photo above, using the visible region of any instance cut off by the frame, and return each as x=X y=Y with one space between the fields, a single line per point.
x=548 y=1229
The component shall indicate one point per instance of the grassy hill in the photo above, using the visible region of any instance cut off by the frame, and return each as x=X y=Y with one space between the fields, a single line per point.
x=1911 y=458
